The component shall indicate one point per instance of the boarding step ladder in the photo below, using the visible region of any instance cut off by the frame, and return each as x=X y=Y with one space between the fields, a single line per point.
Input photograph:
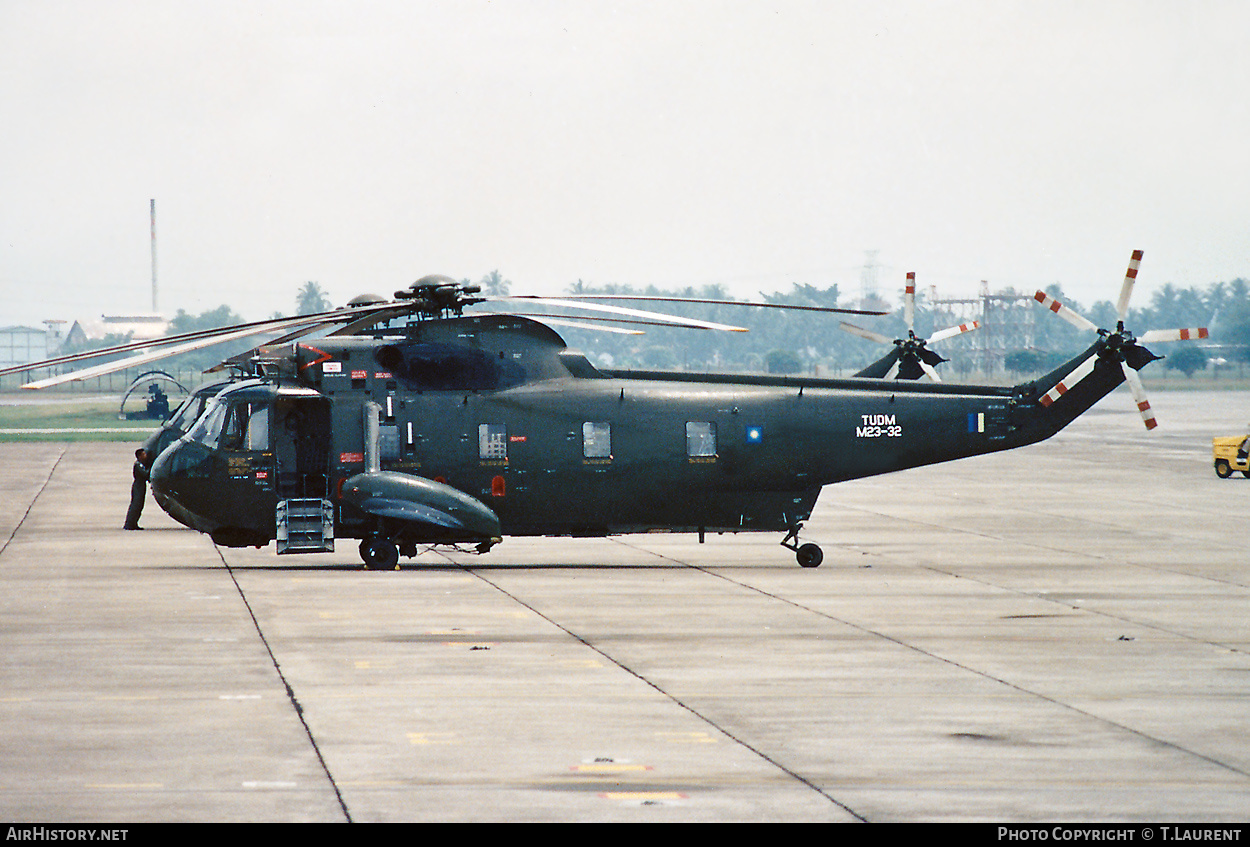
x=305 y=526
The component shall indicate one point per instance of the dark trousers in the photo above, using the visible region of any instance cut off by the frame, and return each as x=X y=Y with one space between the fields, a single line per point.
x=138 y=491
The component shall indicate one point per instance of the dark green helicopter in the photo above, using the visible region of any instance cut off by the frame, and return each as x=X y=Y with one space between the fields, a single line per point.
x=464 y=429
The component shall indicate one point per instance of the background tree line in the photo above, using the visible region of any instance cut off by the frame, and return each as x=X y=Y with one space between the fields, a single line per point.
x=787 y=342
x=782 y=341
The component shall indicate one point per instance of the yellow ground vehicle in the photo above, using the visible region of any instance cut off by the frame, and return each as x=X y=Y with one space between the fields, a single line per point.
x=1230 y=455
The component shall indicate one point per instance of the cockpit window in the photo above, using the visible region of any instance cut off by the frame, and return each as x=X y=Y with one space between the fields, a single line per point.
x=234 y=424
x=187 y=414
x=208 y=430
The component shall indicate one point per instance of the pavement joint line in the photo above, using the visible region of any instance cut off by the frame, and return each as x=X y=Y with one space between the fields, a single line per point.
x=687 y=707
x=1108 y=615
x=33 y=500
x=985 y=535
x=989 y=505
x=1231 y=648
x=984 y=675
x=299 y=711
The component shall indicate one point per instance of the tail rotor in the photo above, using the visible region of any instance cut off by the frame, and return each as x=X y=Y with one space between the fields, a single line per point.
x=1116 y=345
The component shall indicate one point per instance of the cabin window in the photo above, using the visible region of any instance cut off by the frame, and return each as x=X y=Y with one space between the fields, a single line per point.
x=700 y=438
x=492 y=441
x=258 y=428
x=597 y=440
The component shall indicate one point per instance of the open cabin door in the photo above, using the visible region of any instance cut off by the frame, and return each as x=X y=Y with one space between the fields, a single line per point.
x=301 y=443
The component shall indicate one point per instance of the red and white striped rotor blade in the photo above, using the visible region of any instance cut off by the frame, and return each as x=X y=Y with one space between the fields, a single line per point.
x=951 y=332
x=909 y=301
x=1126 y=290
x=1173 y=334
x=1074 y=318
x=1139 y=396
x=1068 y=382
x=866 y=333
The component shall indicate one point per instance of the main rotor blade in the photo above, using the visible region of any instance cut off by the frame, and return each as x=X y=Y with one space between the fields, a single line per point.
x=580 y=325
x=140 y=359
x=866 y=333
x=930 y=370
x=951 y=332
x=240 y=358
x=1064 y=312
x=1126 y=290
x=256 y=327
x=756 y=304
x=690 y=323
x=1173 y=334
x=375 y=317
x=543 y=316
x=909 y=301
x=1139 y=396
x=1066 y=384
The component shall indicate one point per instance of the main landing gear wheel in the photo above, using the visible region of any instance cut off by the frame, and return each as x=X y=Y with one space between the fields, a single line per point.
x=379 y=554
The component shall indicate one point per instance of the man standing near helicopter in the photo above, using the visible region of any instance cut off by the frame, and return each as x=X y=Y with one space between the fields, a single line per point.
x=138 y=489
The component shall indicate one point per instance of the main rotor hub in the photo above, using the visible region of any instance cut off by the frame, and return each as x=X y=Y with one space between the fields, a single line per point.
x=437 y=296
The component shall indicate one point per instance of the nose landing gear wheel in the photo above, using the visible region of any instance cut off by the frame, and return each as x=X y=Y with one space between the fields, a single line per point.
x=379 y=554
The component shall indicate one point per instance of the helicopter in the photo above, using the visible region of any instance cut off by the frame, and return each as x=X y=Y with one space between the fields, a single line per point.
x=463 y=429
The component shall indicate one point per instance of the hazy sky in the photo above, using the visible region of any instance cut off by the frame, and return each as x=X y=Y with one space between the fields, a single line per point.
x=365 y=144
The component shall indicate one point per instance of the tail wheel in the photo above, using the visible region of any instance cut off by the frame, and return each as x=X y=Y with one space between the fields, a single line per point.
x=379 y=554
x=809 y=555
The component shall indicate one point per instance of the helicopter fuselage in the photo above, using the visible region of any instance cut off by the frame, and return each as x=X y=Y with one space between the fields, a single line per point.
x=471 y=429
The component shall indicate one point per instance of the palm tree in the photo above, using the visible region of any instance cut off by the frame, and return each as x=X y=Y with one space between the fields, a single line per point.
x=311 y=300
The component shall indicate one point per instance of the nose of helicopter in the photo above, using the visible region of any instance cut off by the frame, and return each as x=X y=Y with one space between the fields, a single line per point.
x=167 y=471
x=161 y=475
